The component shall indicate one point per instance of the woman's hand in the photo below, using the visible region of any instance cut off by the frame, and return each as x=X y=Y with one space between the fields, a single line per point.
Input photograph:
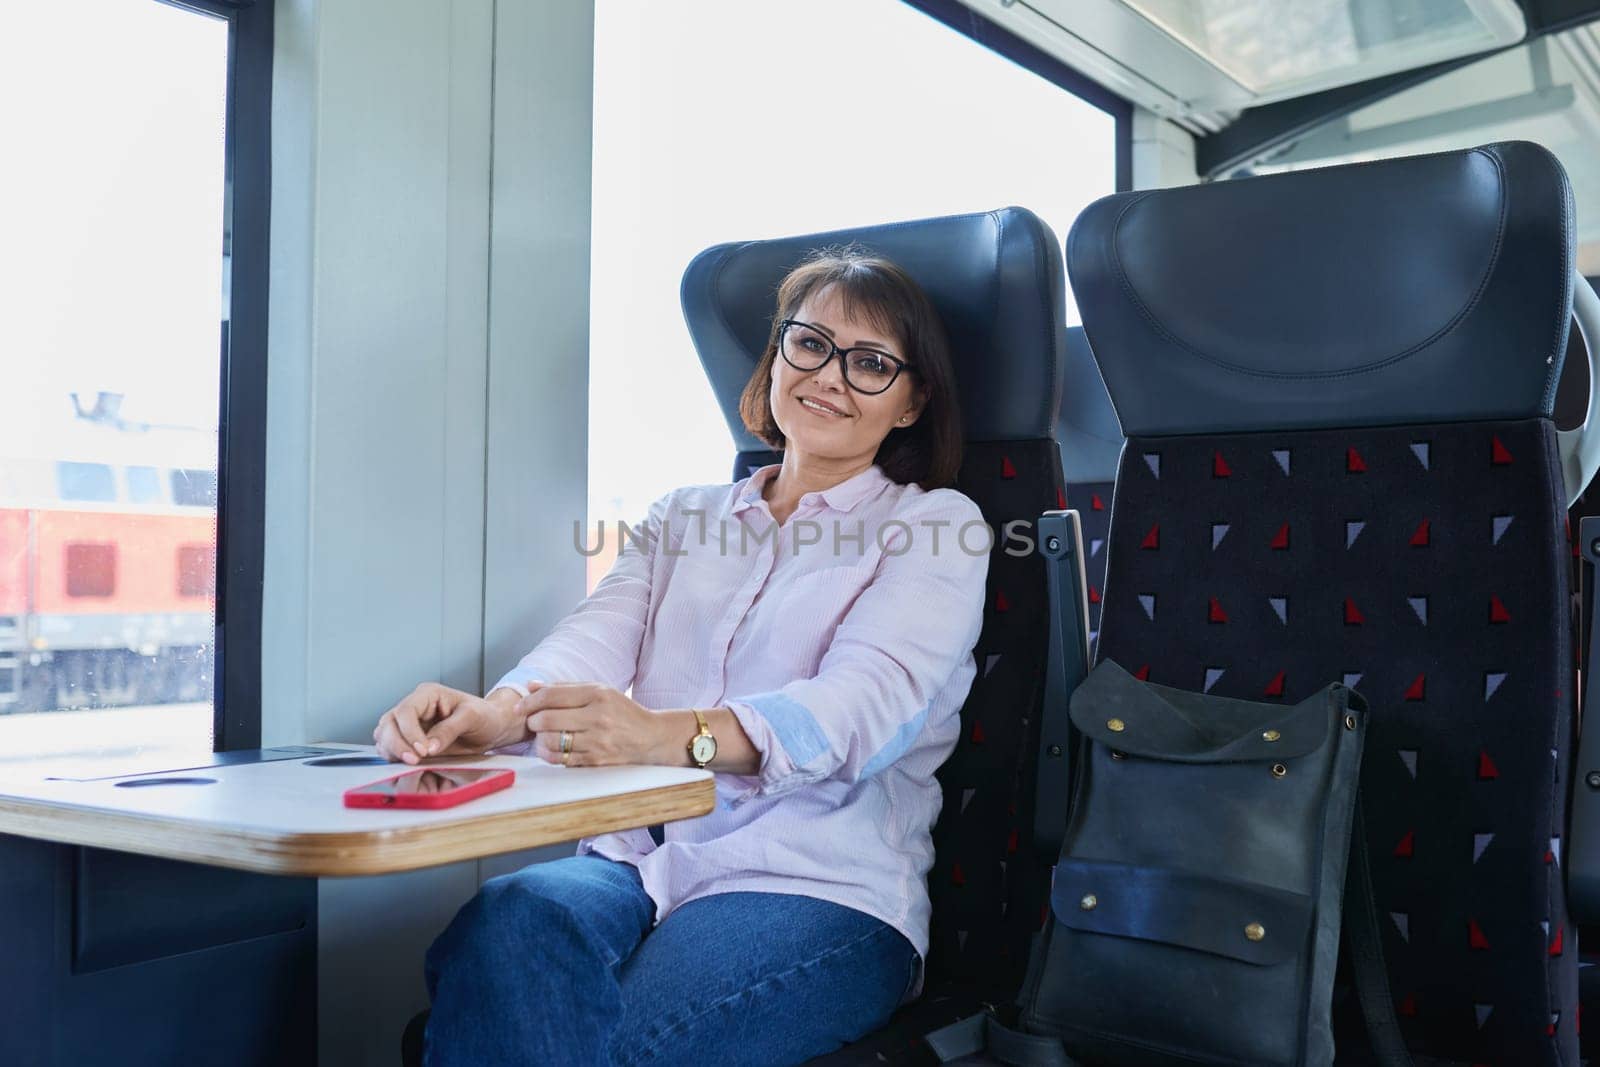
x=607 y=727
x=438 y=721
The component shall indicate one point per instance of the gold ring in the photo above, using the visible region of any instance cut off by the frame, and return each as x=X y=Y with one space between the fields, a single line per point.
x=566 y=741
x=564 y=757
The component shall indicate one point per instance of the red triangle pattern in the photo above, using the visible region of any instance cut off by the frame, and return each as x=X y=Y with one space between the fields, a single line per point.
x=978 y=736
x=1555 y=946
x=1094 y=595
x=1143 y=673
x=1219 y=466
x=1354 y=463
x=1499 y=455
x=1011 y=842
x=1497 y=610
x=1095 y=503
x=1152 y=539
x=1216 y=613
x=1420 y=538
x=1061 y=498
x=1280 y=540
x=1407 y=845
x=1352 y=614
x=1418 y=689
x=957 y=875
x=1275 y=687
x=1000 y=601
x=1487 y=771
x=1475 y=937
x=1006 y=469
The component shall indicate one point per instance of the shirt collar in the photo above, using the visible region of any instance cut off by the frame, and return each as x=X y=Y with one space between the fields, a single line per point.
x=842 y=497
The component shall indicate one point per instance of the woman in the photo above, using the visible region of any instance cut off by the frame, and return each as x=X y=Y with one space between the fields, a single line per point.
x=817 y=621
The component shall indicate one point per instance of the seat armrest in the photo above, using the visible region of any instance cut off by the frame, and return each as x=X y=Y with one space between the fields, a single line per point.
x=1583 y=850
x=1067 y=664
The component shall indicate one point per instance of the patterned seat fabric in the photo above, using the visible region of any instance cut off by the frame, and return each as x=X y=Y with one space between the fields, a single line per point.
x=1428 y=568
x=988 y=889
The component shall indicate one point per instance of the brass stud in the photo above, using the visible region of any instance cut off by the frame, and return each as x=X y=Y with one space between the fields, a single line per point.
x=1255 y=932
x=1279 y=770
x=1089 y=902
x=1116 y=726
x=1349 y=722
x=1271 y=735
x=1118 y=755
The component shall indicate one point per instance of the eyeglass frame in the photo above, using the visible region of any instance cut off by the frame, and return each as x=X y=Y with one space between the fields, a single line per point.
x=900 y=365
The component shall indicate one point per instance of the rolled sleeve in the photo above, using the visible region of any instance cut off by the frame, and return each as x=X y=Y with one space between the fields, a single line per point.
x=892 y=658
x=601 y=638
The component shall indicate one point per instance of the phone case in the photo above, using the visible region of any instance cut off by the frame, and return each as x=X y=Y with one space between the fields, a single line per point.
x=494 y=783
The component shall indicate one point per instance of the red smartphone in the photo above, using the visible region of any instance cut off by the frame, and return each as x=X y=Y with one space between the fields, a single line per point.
x=434 y=787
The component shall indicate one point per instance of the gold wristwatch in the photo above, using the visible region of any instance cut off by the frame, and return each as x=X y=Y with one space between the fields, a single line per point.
x=703 y=745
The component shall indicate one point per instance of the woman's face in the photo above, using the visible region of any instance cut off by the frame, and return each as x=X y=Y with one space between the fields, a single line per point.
x=862 y=420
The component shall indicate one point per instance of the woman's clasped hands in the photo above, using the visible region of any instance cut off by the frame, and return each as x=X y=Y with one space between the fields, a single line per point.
x=596 y=724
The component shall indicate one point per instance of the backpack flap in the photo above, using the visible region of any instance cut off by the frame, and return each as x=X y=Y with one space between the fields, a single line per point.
x=1246 y=922
x=1156 y=722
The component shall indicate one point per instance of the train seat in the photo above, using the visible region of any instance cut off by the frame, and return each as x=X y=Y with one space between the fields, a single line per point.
x=997 y=281
x=1337 y=386
x=1090 y=439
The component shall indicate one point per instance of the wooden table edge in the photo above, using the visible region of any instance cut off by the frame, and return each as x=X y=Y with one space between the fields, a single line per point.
x=337 y=854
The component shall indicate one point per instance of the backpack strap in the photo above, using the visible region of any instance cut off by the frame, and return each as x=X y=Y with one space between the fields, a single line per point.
x=1366 y=952
x=985 y=1033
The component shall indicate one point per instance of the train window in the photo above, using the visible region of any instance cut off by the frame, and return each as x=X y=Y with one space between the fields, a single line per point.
x=192 y=488
x=895 y=116
x=91 y=482
x=119 y=237
x=196 y=570
x=91 y=570
x=144 y=485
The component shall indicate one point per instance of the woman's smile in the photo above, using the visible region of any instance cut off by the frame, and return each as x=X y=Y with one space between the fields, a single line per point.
x=818 y=408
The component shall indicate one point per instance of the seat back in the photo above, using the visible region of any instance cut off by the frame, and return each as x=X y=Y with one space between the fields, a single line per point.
x=997 y=281
x=1341 y=466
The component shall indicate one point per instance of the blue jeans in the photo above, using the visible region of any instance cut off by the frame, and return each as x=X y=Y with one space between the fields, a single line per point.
x=558 y=964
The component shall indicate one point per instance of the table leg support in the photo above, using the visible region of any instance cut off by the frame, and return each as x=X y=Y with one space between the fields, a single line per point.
x=116 y=958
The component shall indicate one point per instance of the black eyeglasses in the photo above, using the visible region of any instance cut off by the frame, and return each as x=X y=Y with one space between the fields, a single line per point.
x=866 y=370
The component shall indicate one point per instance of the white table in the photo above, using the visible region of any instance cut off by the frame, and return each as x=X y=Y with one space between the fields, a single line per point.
x=287 y=817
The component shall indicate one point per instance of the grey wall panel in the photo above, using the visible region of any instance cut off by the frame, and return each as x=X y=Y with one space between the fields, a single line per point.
x=427 y=404
x=539 y=323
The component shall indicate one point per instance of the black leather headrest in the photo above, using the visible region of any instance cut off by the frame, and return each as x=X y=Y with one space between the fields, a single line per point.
x=1086 y=428
x=1431 y=288
x=996 y=279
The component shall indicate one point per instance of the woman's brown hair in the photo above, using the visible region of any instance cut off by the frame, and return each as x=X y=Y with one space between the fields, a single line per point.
x=928 y=452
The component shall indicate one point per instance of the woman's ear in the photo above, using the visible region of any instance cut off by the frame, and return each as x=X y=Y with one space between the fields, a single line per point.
x=914 y=411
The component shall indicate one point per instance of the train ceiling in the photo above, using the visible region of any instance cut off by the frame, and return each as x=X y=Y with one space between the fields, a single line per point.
x=1267 y=85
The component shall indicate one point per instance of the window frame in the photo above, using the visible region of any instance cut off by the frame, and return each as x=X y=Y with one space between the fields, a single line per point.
x=991 y=35
x=242 y=411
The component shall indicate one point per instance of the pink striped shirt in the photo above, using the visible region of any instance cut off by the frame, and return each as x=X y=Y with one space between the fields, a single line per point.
x=841 y=640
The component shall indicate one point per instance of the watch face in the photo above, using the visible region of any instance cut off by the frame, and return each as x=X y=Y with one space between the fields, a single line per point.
x=703 y=749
